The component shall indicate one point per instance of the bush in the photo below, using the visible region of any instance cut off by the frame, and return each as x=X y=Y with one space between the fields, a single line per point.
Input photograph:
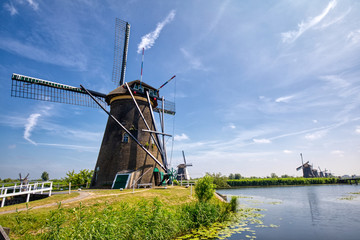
x=234 y=204
x=81 y=178
x=204 y=189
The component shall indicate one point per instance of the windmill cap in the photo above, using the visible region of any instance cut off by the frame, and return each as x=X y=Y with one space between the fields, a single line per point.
x=122 y=90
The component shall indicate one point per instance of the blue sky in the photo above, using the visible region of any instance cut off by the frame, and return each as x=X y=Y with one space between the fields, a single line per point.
x=258 y=82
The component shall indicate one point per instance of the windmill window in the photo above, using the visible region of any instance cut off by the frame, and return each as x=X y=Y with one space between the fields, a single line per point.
x=125 y=138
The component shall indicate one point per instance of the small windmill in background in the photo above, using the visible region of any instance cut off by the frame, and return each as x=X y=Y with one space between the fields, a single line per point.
x=182 y=173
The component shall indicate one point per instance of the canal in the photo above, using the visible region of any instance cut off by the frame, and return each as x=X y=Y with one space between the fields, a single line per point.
x=302 y=212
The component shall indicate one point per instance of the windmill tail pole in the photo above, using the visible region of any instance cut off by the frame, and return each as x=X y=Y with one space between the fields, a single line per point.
x=127 y=131
x=142 y=65
x=167 y=82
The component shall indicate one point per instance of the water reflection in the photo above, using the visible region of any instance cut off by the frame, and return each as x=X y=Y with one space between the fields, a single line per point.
x=305 y=212
x=313 y=205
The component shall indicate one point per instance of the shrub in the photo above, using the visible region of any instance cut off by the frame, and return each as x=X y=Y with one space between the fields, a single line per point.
x=204 y=189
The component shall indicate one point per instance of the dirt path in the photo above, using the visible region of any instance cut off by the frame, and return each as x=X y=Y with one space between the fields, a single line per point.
x=83 y=195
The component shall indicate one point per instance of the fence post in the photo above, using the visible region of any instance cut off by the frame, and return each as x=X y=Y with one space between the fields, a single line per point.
x=3 y=201
x=51 y=183
x=69 y=187
x=190 y=189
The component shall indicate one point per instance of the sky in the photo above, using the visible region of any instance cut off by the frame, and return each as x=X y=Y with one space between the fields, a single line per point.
x=257 y=82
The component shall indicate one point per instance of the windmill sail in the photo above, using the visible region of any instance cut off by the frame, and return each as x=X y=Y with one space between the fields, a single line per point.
x=39 y=89
x=122 y=33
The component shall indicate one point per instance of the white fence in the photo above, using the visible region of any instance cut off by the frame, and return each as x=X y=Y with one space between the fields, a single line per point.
x=16 y=190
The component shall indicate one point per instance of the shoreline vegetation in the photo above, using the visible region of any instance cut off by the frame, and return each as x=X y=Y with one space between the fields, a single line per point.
x=158 y=213
x=233 y=183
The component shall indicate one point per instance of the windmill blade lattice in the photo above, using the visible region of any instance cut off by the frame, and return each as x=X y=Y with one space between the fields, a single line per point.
x=38 y=89
x=122 y=33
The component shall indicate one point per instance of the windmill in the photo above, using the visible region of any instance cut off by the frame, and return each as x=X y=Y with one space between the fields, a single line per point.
x=133 y=150
x=306 y=167
x=182 y=173
x=321 y=173
x=25 y=180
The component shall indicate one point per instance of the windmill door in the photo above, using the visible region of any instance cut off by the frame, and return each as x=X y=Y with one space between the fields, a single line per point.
x=121 y=181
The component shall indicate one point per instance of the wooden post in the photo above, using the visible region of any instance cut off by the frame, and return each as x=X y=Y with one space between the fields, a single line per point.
x=190 y=189
x=69 y=187
x=134 y=186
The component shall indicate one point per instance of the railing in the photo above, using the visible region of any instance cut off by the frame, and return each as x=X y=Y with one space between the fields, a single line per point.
x=16 y=190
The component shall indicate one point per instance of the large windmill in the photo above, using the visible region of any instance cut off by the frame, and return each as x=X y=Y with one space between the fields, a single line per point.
x=133 y=149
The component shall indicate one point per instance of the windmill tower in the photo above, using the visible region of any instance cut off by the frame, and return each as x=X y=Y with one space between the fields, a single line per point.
x=182 y=173
x=306 y=167
x=133 y=150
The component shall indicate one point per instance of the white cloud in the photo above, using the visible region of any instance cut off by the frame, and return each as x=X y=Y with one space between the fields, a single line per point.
x=335 y=81
x=148 y=40
x=357 y=130
x=10 y=7
x=354 y=36
x=29 y=126
x=315 y=135
x=181 y=137
x=285 y=99
x=33 y=4
x=315 y=121
x=232 y=126
x=287 y=151
x=291 y=36
x=194 y=62
x=338 y=153
x=262 y=140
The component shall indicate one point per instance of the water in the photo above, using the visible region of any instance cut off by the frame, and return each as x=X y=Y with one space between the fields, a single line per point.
x=304 y=212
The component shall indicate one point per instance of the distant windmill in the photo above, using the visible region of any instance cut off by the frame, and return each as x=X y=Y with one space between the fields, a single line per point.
x=183 y=173
x=25 y=180
x=132 y=149
x=321 y=173
x=306 y=167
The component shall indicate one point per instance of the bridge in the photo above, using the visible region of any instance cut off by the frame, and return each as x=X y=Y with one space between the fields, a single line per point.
x=350 y=179
x=28 y=189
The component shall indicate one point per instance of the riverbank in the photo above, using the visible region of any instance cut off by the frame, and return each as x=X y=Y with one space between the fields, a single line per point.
x=280 y=181
x=159 y=213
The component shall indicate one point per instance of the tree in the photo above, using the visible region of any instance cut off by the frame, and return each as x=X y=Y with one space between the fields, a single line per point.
x=219 y=180
x=81 y=178
x=273 y=175
x=45 y=176
x=285 y=176
x=237 y=176
x=204 y=188
x=231 y=176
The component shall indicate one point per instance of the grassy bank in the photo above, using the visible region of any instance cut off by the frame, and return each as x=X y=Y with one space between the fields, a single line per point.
x=280 y=181
x=111 y=214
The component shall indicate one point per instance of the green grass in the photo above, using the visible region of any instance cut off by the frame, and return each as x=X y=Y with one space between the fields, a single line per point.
x=113 y=214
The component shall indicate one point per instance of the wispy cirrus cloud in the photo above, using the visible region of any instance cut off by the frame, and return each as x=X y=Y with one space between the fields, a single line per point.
x=284 y=99
x=33 y=4
x=354 y=36
x=11 y=8
x=262 y=140
x=33 y=52
x=194 y=62
x=291 y=36
x=30 y=125
x=148 y=40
